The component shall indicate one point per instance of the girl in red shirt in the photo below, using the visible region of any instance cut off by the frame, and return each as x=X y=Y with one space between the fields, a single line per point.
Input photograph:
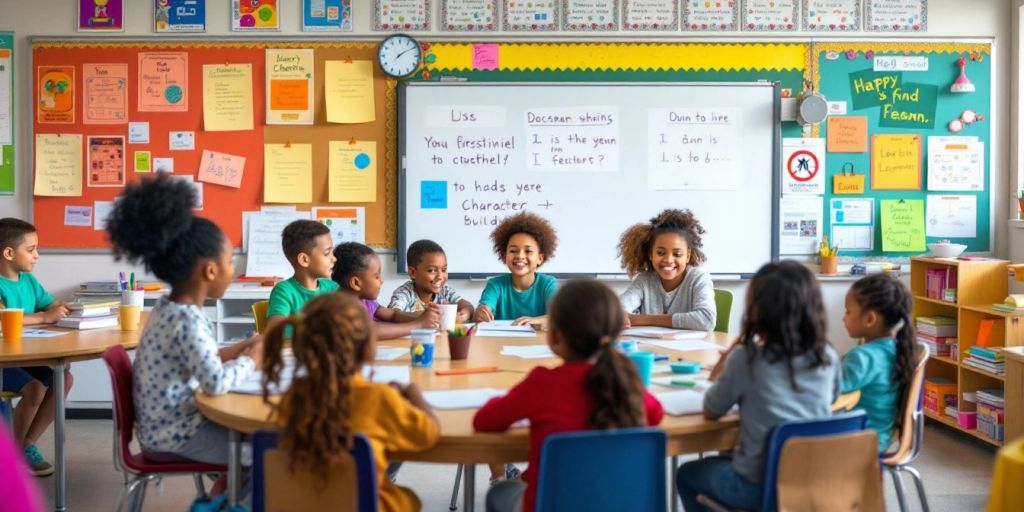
x=596 y=388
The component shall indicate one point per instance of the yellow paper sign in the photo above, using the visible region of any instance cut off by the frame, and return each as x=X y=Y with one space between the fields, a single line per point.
x=848 y=184
x=227 y=97
x=352 y=171
x=896 y=162
x=287 y=173
x=348 y=89
x=58 y=165
x=143 y=161
x=902 y=223
x=289 y=86
x=848 y=134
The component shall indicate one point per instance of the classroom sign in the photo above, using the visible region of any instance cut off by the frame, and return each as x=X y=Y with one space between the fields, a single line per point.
x=903 y=104
x=803 y=162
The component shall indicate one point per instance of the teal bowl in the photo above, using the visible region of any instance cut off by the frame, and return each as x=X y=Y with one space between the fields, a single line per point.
x=685 y=367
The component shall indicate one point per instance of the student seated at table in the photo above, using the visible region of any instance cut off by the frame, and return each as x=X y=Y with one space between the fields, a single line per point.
x=596 y=387
x=19 y=289
x=178 y=352
x=782 y=368
x=357 y=270
x=428 y=282
x=669 y=288
x=307 y=245
x=328 y=396
x=523 y=242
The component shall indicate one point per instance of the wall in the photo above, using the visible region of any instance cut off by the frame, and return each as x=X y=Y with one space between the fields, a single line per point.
x=61 y=273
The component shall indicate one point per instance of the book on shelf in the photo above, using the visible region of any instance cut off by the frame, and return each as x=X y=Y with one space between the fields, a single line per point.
x=994 y=355
x=1007 y=309
x=95 y=322
x=996 y=369
x=992 y=396
x=938 y=330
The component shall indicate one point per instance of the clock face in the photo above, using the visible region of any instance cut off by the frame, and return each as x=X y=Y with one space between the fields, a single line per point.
x=399 y=55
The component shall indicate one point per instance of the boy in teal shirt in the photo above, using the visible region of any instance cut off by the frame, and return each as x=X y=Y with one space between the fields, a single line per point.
x=523 y=241
x=308 y=246
x=20 y=289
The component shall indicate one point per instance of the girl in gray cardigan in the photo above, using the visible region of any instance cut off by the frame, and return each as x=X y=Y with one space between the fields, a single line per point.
x=668 y=289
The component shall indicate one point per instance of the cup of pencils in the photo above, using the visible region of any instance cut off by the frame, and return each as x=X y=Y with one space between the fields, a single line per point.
x=829 y=258
x=458 y=341
x=132 y=293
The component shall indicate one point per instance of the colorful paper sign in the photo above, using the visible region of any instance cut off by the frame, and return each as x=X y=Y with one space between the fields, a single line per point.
x=179 y=16
x=101 y=15
x=163 y=82
x=832 y=15
x=290 y=84
x=650 y=15
x=58 y=166
x=106 y=161
x=227 y=97
x=717 y=16
x=770 y=15
x=352 y=171
x=347 y=223
x=6 y=113
x=78 y=216
x=847 y=134
x=803 y=163
x=590 y=15
x=326 y=15
x=896 y=162
x=105 y=90
x=56 y=94
x=287 y=173
x=181 y=141
x=401 y=15
x=912 y=106
x=896 y=15
x=221 y=169
x=485 y=56
x=143 y=161
x=956 y=163
x=530 y=15
x=871 y=89
x=348 y=88
x=255 y=16
x=903 y=227
x=469 y=15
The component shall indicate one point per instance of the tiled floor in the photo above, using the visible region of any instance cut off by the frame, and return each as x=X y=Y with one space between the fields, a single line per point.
x=956 y=468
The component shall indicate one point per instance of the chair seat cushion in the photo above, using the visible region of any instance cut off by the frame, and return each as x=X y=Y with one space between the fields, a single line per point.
x=158 y=462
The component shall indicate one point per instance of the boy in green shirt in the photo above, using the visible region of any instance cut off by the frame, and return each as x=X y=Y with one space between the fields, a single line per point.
x=19 y=289
x=308 y=246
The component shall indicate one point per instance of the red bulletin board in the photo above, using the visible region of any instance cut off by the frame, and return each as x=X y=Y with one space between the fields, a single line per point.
x=223 y=205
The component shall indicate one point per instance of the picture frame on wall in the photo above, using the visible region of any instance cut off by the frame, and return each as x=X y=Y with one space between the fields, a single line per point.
x=326 y=15
x=101 y=15
x=832 y=15
x=179 y=16
x=255 y=15
x=711 y=16
x=896 y=15
x=469 y=16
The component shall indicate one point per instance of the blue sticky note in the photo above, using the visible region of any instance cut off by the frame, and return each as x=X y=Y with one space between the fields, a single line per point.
x=840 y=216
x=434 y=195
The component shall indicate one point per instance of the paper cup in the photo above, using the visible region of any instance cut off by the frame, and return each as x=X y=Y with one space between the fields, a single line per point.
x=132 y=297
x=129 y=317
x=422 y=348
x=448 y=314
x=11 y=322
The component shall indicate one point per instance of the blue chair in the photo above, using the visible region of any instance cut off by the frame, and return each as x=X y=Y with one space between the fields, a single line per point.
x=270 y=472
x=836 y=424
x=599 y=470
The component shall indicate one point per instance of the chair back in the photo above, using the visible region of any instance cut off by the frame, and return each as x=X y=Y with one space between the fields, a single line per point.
x=836 y=473
x=911 y=431
x=121 y=381
x=603 y=470
x=259 y=313
x=352 y=486
x=836 y=424
x=723 y=309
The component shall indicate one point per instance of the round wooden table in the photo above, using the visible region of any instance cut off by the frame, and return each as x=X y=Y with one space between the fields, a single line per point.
x=57 y=352
x=459 y=443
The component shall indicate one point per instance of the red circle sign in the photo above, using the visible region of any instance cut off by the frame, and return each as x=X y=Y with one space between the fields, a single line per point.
x=802 y=165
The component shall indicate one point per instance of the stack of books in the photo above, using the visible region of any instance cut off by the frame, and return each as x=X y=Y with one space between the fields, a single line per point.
x=991 y=360
x=93 y=290
x=938 y=345
x=936 y=326
x=951 y=406
x=90 y=314
x=1014 y=303
x=990 y=413
x=938 y=280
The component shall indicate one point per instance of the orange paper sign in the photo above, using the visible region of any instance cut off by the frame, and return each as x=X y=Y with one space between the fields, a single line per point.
x=163 y=82
x=56 y=100
x=221 y=169
x=848 y=134
x=289 y=94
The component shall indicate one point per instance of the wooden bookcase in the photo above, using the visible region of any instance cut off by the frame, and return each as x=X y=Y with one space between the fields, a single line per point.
x=979 y=285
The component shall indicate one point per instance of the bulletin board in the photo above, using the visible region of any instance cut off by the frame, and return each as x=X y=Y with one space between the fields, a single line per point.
x=838 y=65
x=223 y=205
x=7 y=102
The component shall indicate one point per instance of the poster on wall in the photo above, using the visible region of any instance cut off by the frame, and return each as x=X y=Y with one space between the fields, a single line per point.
x=650 y=15
x=803 y=165
x=6 y=113
x=255 y=16
x=832 y=15
x=106 y=161
x=105 y=93
x=530 y=15
x=711 y=16
x=896 y=15
x=770 y=15
x=590 y=15
x=56 y=101
x=326 y=15
x=179 y=16
x=163 y=82
x=401 y=15
x=469 y=15
x=101 y=15
x=289 y=86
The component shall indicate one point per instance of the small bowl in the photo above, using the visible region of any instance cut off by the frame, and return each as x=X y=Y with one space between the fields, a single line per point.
x=946 y=250
x=685 y=367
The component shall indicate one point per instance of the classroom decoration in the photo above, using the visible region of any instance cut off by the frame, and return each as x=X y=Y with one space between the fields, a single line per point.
x=55 y=99
x=717 y=16
x=770 y=15
x=469 y=15
x=530 y=15
x=902 y=224
x=105 y=91
x=58 y=164
x=961 y=84
x=590 y=15
x=227 y=97
x=847 y=182
x=163 y=82
x=105 y=161
x=803 y=166
x=326 y=15
x=6 y=113
x=956 y=163
x=847 y=134
x=650 y=15
x=896 y=162
x=289 y=74
x=101 y=15
x=394 y=15
x=255 y=16
x=179 y=16
x=832 y=15
x=896 y=15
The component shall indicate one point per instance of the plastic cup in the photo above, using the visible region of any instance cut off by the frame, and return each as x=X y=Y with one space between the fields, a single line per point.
x=422 y=349
x=129 y=317
x=627 y=346
x=132 y=298
x=11 y=322
x=448 y=314
x=644 y=365
x=458 y=346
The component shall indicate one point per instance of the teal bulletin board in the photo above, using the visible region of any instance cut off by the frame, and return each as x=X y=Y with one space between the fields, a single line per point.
x=7 y=113
x=839 y=65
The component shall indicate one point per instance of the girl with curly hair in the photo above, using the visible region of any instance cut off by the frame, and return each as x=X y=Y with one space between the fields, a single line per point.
x=669 y=289
x=596 y=387
x=332 y=341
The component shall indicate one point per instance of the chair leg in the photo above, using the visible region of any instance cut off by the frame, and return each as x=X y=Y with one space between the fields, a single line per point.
x=140 y=496
x=897 y=481
x=129 y=493
x=197 y=478
x=674 y=493
x=455 y=491
x=121 y=496
x=919 y=483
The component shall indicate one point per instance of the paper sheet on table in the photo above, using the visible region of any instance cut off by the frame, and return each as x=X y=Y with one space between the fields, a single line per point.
x=684 y=345
x=386 y=374
x=41 y=333
x=679 y=403
x=504 y=328
x=664 y=333
x=461 y=398
x=253 y=384
x=527 y=351
x=390 y=353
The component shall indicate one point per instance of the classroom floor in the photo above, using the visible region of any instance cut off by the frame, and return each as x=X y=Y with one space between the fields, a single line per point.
x=957 y=470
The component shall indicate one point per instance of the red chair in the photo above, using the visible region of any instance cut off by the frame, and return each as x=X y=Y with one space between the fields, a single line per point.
x=140 y=468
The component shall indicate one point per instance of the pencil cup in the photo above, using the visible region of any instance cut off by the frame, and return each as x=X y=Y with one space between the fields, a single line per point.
x=422 y=349
x=829 y=265
x=132 y=298
x=129 y=317
x=11 y=320
x=448 y=313
x=644 y=365
x=458 y=346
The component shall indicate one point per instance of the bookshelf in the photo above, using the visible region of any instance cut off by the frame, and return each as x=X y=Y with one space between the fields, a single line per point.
x=979 y=284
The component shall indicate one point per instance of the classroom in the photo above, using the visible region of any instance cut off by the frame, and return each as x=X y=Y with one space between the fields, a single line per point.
x=835 y=139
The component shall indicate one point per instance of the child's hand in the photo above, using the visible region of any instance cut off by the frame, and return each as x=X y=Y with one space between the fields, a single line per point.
x=52 y=315
x=536 y=321
x=254 y=350
x=625 y=321
x=720 y=365
x=431 y=316
x=484 y=314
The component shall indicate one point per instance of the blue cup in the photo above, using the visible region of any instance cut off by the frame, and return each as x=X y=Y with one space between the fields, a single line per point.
x=627 y=346
x=644 y=362
x=422 y=349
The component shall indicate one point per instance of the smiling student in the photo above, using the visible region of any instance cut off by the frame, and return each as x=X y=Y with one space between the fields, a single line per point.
x=668 y=289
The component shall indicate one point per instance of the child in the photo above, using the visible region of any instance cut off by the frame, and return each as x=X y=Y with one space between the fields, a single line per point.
x=523 y=241
x=781 y=369
x=358 y=271
x=333 y=341
x=19 y=289
x=669 y=290
x=428 y=282
x=878 y=311
x=307 y=245
x=178 y=353
x=596 y=388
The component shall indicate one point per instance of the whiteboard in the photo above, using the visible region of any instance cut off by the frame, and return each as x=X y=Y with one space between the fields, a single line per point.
x=592 y=158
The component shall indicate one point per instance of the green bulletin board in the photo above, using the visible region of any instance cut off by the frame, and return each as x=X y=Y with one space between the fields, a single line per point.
x=923 y=105
x=7 y=113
